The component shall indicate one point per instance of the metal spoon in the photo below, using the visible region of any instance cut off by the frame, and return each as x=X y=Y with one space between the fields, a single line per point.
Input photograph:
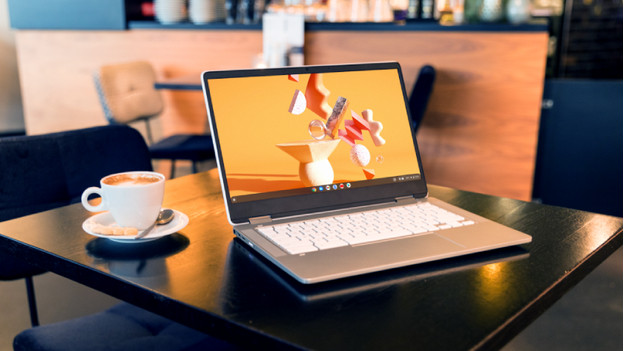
x=164 y=216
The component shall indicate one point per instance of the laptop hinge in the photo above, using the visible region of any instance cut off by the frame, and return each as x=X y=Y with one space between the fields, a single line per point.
x=404 y=199
x=260 y=220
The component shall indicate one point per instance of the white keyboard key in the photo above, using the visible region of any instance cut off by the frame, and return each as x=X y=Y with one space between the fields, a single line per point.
x=301 y=249
x=322 y=244
x=412 y=229
x=357 y=240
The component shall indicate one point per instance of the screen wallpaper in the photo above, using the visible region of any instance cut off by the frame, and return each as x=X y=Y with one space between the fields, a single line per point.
x=312 y=132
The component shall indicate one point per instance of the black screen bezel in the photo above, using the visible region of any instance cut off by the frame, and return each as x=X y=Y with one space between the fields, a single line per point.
x=241 y=212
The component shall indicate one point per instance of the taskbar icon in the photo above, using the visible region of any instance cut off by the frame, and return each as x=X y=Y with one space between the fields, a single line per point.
x=322 y=188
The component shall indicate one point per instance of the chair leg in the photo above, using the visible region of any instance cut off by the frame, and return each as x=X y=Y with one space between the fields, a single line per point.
x=194 y=167
x=172 y=169
x=32 y=303
x=148 y=130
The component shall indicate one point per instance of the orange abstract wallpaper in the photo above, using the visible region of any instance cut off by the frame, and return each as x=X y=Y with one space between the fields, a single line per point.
x=263 y=126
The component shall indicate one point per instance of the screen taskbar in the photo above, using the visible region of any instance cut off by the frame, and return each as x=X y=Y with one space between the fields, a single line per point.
x=336 y=186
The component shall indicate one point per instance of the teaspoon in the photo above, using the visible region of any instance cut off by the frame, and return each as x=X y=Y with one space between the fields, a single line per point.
x=164 y=216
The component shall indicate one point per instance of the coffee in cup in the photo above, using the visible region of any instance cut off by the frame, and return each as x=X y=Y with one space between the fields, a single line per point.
x=130 y=179
x=134 y=199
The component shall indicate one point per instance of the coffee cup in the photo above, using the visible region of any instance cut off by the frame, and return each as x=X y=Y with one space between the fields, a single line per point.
x=134 y=199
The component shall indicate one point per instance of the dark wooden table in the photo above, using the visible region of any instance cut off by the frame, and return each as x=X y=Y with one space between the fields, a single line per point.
x=205 y=279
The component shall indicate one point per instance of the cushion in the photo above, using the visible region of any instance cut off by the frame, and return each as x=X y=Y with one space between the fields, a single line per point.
x=122 y=327
x=127 y=89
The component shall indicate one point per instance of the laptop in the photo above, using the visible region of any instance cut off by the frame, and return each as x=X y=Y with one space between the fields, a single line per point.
x=321 y=174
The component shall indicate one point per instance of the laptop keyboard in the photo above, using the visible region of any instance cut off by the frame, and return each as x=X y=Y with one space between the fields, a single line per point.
x=361 y=228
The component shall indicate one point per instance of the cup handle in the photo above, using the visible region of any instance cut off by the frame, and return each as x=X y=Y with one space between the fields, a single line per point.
x=85 y=199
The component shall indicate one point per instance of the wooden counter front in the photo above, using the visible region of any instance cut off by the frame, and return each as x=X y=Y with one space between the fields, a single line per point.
x=479 y=133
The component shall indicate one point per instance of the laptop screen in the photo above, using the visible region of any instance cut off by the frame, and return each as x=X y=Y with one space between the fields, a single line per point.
x=309 y=131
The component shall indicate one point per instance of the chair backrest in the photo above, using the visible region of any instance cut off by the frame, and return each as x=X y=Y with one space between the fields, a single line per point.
x=579 y=154
x=419 y=97
x=41 y=172
x=127 y=93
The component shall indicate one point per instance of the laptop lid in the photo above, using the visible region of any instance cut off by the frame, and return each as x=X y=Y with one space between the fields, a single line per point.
x=297 y=140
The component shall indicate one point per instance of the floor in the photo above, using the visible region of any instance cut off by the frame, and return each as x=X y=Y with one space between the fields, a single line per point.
x=588 y=317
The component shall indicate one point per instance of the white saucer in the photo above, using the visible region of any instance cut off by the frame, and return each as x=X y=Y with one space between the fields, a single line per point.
x=179 y=222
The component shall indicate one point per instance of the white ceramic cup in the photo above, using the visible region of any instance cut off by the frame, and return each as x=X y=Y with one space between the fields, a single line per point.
x=202 y=11
x=170 y=11
x=134 y=199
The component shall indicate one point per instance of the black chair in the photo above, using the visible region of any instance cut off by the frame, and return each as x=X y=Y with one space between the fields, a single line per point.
x=37 y=179
x=579 y=154
x=47 y=171
x=127 y=94
x=421 y=92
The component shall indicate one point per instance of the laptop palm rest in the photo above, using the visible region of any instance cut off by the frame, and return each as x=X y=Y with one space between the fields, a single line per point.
x=355 y=260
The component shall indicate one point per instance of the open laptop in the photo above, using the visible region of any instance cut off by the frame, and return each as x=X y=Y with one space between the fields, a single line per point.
x=321 y=172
